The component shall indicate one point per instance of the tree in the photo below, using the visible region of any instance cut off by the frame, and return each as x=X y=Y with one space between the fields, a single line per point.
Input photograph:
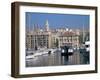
x=57 y=43
x=81 y=38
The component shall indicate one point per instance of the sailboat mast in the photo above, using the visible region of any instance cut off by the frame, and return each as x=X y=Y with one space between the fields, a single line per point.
x=29 y=22
x=83 y=34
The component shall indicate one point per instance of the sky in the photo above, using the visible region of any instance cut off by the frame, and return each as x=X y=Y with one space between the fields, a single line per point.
x=72 y=21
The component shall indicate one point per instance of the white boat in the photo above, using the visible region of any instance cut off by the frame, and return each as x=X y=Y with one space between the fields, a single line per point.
x=39 y=53
x=87 y=45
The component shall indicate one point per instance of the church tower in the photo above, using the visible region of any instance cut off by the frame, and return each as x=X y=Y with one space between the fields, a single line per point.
x=47 y=26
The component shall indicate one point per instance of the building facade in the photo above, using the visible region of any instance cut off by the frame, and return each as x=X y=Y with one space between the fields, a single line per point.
x=69 y=39
x=38 y=38
x=46 y=38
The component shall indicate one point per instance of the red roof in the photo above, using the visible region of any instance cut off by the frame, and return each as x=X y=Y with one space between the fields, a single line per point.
x=68 y=34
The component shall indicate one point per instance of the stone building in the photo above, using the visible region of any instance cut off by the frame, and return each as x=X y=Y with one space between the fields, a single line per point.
x=69 y=38
x=38 y=38
x=47 y=38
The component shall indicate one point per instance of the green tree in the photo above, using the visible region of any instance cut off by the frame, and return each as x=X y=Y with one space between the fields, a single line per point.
x=57 y=43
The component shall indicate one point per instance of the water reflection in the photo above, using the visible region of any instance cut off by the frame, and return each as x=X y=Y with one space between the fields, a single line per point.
x=56 y=59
